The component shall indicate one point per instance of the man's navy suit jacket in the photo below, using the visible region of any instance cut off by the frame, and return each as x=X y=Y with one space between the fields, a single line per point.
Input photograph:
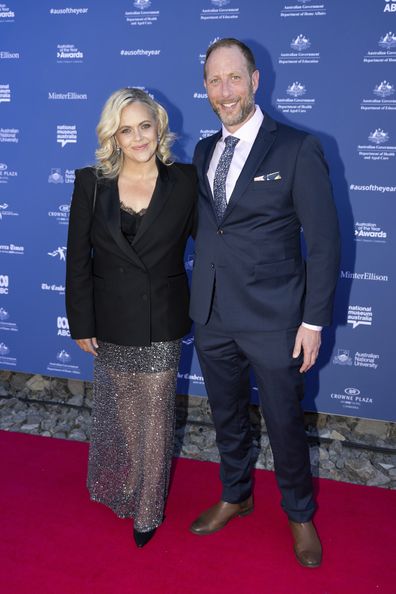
x=253 y=256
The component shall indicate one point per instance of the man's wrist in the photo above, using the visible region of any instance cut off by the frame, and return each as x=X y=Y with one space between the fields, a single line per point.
x=312 y=327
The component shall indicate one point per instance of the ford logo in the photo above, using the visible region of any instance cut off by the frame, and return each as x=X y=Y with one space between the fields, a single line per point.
x=3 y=166
x=352 y=391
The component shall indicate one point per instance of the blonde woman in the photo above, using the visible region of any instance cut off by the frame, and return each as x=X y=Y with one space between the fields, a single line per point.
x=127 y=302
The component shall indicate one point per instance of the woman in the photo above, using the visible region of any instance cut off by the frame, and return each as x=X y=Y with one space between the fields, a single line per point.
x=127 y=302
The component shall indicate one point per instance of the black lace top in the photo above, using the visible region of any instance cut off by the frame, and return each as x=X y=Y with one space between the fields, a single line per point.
x=130 y=221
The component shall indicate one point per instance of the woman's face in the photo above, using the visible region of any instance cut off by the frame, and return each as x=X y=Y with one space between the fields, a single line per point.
x=137 y=134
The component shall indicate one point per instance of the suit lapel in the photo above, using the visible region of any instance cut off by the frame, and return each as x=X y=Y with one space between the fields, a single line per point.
x=264 y=140
x=162 y=191
x=108 y=200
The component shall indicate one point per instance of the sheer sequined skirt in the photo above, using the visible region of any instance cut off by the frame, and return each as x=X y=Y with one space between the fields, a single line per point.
x=132 y=434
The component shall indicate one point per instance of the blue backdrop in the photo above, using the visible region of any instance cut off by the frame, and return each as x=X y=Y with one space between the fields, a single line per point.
x=326 y=66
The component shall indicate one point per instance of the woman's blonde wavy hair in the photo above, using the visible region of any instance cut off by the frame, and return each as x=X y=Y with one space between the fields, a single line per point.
x=109 y=160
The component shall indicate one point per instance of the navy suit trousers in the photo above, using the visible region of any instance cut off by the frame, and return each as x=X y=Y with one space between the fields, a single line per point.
x=226 y=358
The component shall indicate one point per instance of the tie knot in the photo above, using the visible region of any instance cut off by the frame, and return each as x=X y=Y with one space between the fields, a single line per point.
x=231 y=141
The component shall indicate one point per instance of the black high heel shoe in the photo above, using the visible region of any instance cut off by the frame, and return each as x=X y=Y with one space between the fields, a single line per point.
x=142 y=538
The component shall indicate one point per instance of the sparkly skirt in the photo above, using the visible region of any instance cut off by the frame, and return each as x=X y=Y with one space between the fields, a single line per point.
x=132 y=434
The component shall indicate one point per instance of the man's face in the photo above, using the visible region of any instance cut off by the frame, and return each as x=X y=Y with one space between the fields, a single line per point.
x=230 y=87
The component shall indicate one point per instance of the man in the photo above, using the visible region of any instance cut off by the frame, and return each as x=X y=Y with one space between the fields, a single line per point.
x=254 y=300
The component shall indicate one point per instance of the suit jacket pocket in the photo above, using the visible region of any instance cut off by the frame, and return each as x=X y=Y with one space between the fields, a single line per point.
x=272 y=269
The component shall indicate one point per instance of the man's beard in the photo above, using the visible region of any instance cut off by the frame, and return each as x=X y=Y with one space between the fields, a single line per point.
x=245 y=109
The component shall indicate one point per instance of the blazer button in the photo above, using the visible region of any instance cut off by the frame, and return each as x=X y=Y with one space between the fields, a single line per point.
x=212 y=265
x=220 y=232
x=144 y=297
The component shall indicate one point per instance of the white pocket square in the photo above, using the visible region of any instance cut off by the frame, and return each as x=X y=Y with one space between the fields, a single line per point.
x=275 y=175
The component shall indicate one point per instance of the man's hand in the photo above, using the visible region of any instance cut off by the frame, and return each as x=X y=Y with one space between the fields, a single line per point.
x=309 y=341
x=89 y=345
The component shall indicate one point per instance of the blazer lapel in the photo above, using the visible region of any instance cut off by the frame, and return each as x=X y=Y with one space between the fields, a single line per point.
x=264 y=140
x=161 y=194
x=108 y=200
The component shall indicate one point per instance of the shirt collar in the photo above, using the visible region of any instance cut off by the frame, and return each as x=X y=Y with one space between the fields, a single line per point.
x=249 y=130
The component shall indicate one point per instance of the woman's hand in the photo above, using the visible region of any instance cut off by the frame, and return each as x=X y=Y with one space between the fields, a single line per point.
x=89 y=345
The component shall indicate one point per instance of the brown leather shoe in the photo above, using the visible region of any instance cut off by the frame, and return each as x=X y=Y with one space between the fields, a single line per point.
x=307 y=547
x=217 y=516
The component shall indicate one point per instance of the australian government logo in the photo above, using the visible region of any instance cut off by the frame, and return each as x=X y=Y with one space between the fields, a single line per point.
x=63 y=363
x=6 y=322
x=370 y=233
x=66 y=134
x=5 y=358
x=221 y=10
x=9 y=135
x=386 y=53
x=6 y=211
x=360 y=315
x=303 y=8
x=296 y=100
x=346 y=359
x=61 y=216
x=68 y=53
x=383 y=99
x=299 y=53
x=352 y=398
x=380 y=147
x=5 y=93
x=57 y=176
x=6 y=14
x=142 y=14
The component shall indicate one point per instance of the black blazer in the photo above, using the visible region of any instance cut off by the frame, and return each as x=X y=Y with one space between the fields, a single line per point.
x=254 y=256
x=129 y=295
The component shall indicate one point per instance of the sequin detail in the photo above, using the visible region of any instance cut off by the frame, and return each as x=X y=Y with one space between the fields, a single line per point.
x=132 y=434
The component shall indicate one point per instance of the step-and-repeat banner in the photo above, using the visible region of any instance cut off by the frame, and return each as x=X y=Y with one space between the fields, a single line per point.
x=327 y=66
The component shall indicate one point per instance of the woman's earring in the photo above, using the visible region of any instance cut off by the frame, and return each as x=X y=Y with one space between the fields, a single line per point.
x=118 y=150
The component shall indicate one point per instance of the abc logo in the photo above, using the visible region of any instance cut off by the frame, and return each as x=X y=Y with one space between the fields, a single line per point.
x=4 y=284
x=63 y=326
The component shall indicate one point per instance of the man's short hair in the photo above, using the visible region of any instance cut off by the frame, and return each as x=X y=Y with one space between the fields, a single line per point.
x=232 y=42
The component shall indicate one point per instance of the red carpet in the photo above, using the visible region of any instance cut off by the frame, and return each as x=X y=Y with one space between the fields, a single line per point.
x=55 y=541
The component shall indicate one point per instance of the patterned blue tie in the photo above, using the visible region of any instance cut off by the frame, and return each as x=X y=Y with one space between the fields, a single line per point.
x=219 y=182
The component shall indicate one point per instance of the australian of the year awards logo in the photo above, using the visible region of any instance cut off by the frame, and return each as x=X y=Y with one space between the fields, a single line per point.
x=59 y=253
x=220 y=10
x=298 y=52
x=202 y=55
x=295 y=100
x=5 y=359
x=6 y=14
x=379 y=149
x=68 y=53
x=370 y=233
x=143 y=13
x=303 y=8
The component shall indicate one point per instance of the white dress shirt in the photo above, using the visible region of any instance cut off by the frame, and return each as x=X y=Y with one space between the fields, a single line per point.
x=247 y=135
